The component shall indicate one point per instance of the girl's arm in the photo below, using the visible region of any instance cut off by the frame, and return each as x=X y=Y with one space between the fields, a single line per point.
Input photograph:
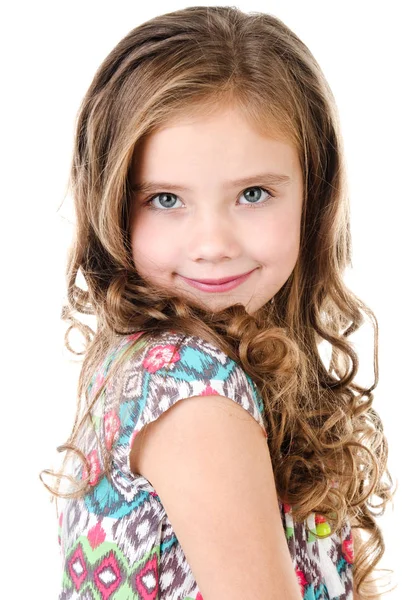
x=208 y=460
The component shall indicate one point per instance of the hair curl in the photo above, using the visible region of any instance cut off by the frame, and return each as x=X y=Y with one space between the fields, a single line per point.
x=326 y=440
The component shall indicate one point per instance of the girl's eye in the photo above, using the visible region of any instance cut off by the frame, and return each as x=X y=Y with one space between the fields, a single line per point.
x=254 y=197
x=167 y=203
x=167 y=199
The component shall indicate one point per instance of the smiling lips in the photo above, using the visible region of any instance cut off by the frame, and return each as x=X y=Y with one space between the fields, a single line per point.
x=217 y=285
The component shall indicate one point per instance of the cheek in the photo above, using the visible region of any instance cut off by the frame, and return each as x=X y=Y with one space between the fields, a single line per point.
x=142 y=243
x=151 y=247
x=277 y=240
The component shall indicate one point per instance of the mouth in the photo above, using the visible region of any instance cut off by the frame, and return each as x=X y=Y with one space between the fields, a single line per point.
x=217 y=285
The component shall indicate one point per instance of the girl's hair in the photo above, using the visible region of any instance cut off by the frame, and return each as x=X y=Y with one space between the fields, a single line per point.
x=326 y=441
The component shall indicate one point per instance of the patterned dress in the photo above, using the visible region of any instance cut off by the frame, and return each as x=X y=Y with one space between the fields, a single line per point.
x=117 y=542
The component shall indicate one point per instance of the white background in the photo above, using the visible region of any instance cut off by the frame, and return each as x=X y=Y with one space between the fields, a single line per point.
x=49 y=54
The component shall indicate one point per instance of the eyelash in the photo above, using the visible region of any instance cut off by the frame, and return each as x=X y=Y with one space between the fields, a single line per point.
x=264 y=203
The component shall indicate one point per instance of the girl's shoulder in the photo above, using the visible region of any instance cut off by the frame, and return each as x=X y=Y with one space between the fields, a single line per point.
x=161 y=369
x=175 y=353
x=189 y=358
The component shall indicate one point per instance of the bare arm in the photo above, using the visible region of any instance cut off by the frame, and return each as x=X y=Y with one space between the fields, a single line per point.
x=209 y=462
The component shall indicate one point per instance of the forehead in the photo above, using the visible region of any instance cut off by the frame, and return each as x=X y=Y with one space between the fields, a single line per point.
x=233 y=118
x=216 y=139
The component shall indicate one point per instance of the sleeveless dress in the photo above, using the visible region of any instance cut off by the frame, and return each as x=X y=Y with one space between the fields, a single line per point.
x=117 y=542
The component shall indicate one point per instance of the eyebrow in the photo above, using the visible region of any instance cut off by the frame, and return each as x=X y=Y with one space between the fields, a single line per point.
x=265 y=178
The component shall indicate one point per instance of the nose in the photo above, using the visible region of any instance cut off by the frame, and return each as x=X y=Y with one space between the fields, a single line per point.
x=212 y=236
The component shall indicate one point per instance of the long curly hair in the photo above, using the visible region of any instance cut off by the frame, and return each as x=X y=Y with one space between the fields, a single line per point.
x=326 y=440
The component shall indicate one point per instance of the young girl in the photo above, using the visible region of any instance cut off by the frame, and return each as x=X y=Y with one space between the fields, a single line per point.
x=213 y=234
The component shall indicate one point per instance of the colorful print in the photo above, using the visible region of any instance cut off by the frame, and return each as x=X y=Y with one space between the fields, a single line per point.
x=111 y=428
x=117 y=542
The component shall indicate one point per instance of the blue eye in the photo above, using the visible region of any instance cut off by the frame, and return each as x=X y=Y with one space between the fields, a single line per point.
x=161 y=194
x=171 y=203
x=256 y=199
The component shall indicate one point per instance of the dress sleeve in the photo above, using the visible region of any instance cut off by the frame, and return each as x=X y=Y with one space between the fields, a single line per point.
x=167 y=369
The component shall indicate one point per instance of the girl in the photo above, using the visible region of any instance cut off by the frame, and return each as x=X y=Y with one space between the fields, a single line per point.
x=213 y=235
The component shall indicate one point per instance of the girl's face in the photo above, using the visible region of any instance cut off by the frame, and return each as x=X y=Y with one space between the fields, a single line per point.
x=197 y=220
